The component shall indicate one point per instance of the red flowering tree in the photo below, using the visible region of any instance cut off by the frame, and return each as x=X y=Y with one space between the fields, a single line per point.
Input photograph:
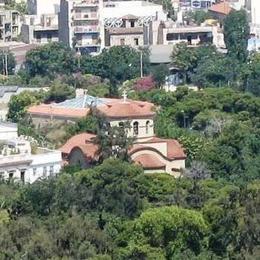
x=144 y=84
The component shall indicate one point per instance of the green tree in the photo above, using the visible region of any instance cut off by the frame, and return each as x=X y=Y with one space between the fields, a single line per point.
x=169 y=229
x=118 y=64
x=252 y=79
x=198 y=16
x=236 y=34
x=159 y=74
x=19 y=103
x=59 y=92
x=49 y=60
x=184 y=58
x=9 y=59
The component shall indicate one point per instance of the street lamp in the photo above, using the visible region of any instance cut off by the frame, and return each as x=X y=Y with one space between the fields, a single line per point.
x=184 y=118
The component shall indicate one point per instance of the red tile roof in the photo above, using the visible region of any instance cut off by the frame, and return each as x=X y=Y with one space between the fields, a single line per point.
x=77 y=140
x=85 y=142
x=148 y=161
x=127 y=109
x=174 y=148
x=222 y=8
x=50 y=110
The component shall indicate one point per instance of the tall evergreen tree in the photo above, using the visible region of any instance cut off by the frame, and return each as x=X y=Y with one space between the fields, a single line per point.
x=236 y=34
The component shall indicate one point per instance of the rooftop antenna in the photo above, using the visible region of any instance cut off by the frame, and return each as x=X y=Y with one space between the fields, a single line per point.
x=124 y=95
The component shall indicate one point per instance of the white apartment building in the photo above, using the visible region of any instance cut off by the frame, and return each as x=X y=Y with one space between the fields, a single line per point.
x=254 y=7
x=9 y=25
x=40 y=29
x=134 y=23
x=91 y=25
x=79 y=24
x=41 y=25
x=21 y=162
x=42 y=7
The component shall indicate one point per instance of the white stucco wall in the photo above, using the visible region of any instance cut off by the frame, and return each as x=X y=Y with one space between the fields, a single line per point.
x=141 y=129
x=169 y=165
x=35 y=166
x=137 y=8
x=8 y=132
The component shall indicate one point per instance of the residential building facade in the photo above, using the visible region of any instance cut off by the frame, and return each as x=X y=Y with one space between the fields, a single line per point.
x=79 y=25
x=19 y=161
x=9 y=25
x=40 y=29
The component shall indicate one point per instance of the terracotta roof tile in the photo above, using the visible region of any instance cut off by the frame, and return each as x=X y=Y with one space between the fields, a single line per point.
x=80 y=140
x=129 y=108
x=174 y=148
x=148 y=161
x=51 y=110
x=222 y=8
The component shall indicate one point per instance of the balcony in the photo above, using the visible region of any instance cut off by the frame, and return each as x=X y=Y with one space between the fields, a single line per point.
x=86 y=3
x=86 y=43
x=86 y=29
x=86 y=16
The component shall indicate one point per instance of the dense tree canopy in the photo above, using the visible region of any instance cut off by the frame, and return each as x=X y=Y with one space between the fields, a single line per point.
x=236 y=34
x=49 y=60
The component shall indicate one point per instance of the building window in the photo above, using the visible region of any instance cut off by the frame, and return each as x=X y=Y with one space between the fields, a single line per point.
x=132 y=24
x=121 y=124
x=147 y=127
x=136 y=40
x=136 y=128
x=51 y=170
x=122 y=41
x=22 y=173
x=44 y=171
x=11 y=175
x=49 y=37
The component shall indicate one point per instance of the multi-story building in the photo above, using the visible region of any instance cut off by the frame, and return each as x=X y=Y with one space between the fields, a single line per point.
x=9 y=25
x=40 y=29
x=91 y=25
x=22 y=162
x=134 y=23
x=42 y=7
x=79 y=25
x=254 y=8
x=41 y=25
x=190 y=34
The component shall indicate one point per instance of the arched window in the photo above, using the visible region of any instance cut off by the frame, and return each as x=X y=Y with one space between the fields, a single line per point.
x=147 y=127
x=136 y=128
x=121 y=124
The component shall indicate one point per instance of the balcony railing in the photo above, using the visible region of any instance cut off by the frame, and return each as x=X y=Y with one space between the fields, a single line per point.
x=85 y=16
x=88 y=43
x=86 y=29
x=85 y=3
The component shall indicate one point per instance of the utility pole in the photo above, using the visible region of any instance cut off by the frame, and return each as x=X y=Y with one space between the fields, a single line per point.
x=3 y=63
x=141 y=63
x=6 y=64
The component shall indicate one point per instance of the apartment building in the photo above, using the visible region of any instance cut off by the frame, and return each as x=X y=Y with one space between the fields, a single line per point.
x=134 y=23
x=91 y=25
x=41 y=25
x=42 y=7
x=9 y=25
x=79 y=25
x=40 y=29
x=22 y=162
x=254 y=8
